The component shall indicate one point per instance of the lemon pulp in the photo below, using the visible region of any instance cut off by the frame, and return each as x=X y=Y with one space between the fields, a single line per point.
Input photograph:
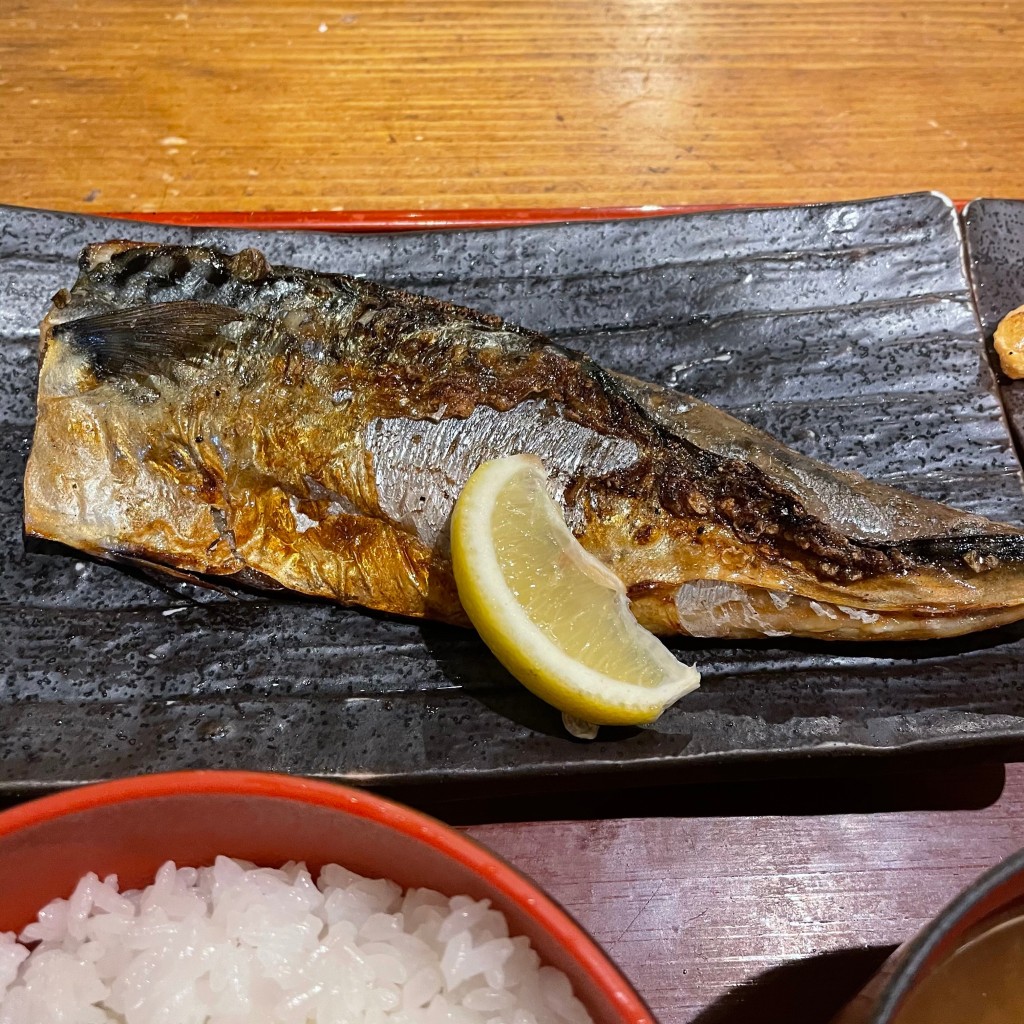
x=553 y=614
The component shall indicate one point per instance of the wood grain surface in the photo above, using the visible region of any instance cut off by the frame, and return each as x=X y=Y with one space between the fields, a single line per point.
x=426 y=104
x=777 y=918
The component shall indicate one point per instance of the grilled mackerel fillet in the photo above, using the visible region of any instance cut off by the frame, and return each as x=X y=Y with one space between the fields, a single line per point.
x=215 y=416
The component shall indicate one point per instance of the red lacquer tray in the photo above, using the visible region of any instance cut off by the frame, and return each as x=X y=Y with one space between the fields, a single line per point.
x=404 y=220
x=420 y=220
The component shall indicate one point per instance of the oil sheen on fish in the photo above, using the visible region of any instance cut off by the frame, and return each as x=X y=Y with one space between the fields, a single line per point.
x=219 y=417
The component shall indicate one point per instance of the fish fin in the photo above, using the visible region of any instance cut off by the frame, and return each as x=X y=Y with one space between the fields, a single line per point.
x=148 y=340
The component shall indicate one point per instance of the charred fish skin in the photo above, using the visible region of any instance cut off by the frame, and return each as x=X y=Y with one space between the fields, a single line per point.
x=221 y=417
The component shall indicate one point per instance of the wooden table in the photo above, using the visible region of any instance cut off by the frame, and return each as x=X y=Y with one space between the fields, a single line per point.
x=772 y=902
x=420 y=104
x=724 y=903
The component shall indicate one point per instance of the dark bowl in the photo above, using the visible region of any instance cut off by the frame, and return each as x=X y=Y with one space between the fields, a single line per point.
x=982 y=904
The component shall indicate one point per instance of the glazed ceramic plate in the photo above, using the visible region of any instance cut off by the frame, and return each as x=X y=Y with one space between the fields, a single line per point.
x=995 y=248
x=846 y=330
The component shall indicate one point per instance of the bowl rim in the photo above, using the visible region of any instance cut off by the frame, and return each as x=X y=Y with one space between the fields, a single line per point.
x=922 y=949
x=526 y=895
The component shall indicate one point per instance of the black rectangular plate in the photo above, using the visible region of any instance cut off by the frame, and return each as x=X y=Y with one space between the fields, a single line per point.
x=994 y=230
x=848 y=330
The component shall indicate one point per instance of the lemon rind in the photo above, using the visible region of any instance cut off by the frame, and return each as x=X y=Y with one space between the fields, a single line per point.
x=534 y=659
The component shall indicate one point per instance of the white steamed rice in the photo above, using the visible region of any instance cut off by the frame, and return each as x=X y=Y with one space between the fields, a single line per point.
x=237 y=944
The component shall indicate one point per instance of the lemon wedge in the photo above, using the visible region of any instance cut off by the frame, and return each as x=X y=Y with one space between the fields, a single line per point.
x=556 y=617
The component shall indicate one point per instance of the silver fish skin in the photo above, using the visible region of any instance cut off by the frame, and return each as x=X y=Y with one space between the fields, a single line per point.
x=218 y=417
